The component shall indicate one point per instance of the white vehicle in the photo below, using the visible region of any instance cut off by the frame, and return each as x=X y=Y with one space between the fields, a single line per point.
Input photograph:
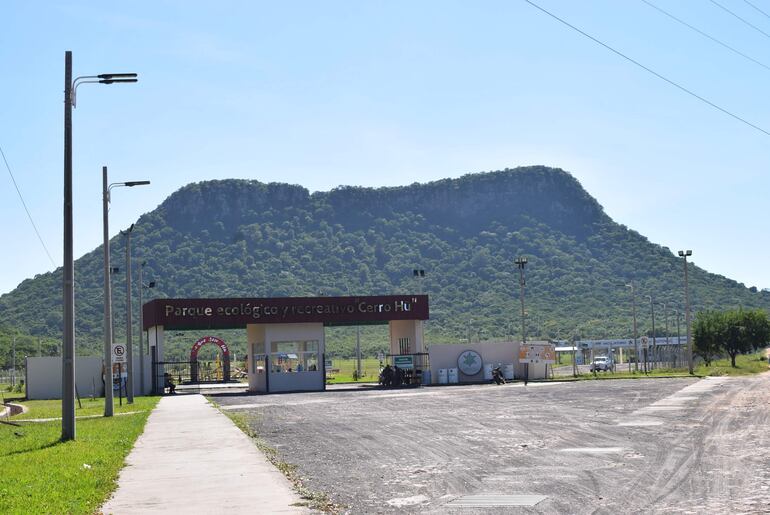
x=603 y=363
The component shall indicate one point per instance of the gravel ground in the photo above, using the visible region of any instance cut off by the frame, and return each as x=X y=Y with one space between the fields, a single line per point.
x=619 y=446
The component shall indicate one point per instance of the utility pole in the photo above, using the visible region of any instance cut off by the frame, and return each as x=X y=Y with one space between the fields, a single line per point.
x=636 y=335
x=13 y=361
x=683 y=254
x=129 y=346
x=654 y=342
x=107 y=357
x=68 y=270
x=142 y=352
x=678 y=333
x=665 y=313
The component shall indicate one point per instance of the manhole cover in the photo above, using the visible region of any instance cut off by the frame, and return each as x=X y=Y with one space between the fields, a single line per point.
x=483 y=500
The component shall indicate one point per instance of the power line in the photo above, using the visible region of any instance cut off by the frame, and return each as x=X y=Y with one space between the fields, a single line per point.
x=649 y=70
x=757 y=8
x=744 y=21
x=715 y=40
x=18 y=191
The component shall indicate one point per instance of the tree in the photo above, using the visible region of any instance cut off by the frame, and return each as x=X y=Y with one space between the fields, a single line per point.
x=745 y=331
x=709 y=329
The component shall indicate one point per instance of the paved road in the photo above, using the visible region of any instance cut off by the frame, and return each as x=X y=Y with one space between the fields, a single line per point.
x=624 y=446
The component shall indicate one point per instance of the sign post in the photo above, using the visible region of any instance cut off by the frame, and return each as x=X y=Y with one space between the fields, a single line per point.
x=118 y=358
x=537 y=353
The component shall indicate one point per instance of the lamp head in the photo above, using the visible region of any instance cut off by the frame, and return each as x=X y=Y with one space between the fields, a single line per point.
x=108 y=76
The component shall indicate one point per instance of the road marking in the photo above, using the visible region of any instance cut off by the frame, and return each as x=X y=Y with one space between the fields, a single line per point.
x=677 y=401
x=408 y=501
x=489 y=500
x=594 y=450
x=661 y=407
x=641 y=423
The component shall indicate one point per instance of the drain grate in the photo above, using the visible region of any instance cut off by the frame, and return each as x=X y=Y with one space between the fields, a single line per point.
x=489 y=500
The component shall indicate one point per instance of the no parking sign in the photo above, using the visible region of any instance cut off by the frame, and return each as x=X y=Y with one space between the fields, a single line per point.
x=118 y=352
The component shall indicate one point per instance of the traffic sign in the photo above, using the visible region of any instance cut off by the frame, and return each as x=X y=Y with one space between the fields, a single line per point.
x=118 y=352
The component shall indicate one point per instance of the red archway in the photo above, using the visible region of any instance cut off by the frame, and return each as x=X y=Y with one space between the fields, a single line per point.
x=225 y=357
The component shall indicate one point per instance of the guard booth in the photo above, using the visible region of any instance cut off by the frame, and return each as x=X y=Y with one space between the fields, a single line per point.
x=285 y=335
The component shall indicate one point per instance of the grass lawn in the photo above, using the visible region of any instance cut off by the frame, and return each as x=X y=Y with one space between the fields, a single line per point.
x=744 y=365
x=40 y=474
x=370 y=371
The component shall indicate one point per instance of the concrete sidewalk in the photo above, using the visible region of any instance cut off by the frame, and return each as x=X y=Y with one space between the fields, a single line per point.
x=192 y=459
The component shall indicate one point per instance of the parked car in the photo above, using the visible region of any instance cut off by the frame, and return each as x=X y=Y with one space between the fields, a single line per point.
x=603 y=363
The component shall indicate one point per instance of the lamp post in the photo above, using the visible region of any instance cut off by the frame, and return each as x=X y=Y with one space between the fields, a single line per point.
x=636 y=336
x=108 y=329
x=684 y=254
x=654 y=342
x=68 y=267
x=419 y=273
x=520 y=262
x=142 y=286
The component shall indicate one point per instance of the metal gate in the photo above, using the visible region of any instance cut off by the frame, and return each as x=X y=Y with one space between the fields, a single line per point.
x=176 y=372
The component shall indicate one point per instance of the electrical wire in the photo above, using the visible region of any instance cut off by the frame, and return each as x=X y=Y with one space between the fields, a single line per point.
x=757 y=8
x=744 y=21
x=712 y=38
x=21 y=197
x=650 y=70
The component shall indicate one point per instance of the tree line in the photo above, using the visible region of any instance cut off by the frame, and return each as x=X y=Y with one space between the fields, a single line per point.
x=731 y=332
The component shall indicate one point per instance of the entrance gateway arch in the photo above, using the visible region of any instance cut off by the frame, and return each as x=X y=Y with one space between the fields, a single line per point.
x=285 y=335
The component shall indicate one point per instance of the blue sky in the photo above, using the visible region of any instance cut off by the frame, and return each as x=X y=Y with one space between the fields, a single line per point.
x=390 y=93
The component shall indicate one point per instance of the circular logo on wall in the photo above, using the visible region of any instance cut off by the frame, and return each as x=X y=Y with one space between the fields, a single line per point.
x=469 y=362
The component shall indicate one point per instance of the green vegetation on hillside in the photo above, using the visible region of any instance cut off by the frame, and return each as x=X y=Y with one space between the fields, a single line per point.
x=245 y=238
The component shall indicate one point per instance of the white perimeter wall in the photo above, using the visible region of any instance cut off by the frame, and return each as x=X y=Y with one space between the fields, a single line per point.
x=44 y=374
x=445 y=356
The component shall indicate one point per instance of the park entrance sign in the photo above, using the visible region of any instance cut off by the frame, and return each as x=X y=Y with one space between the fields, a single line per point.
x=285 y=335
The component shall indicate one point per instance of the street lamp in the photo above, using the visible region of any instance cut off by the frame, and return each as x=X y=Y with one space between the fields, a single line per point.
x=108 y=330
x=636 y=336
x=419 y=274
x=142 y=286
x=684 y=254
x=68 y=267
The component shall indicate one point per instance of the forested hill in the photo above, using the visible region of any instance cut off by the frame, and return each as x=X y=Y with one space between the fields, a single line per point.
x=246 y=238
